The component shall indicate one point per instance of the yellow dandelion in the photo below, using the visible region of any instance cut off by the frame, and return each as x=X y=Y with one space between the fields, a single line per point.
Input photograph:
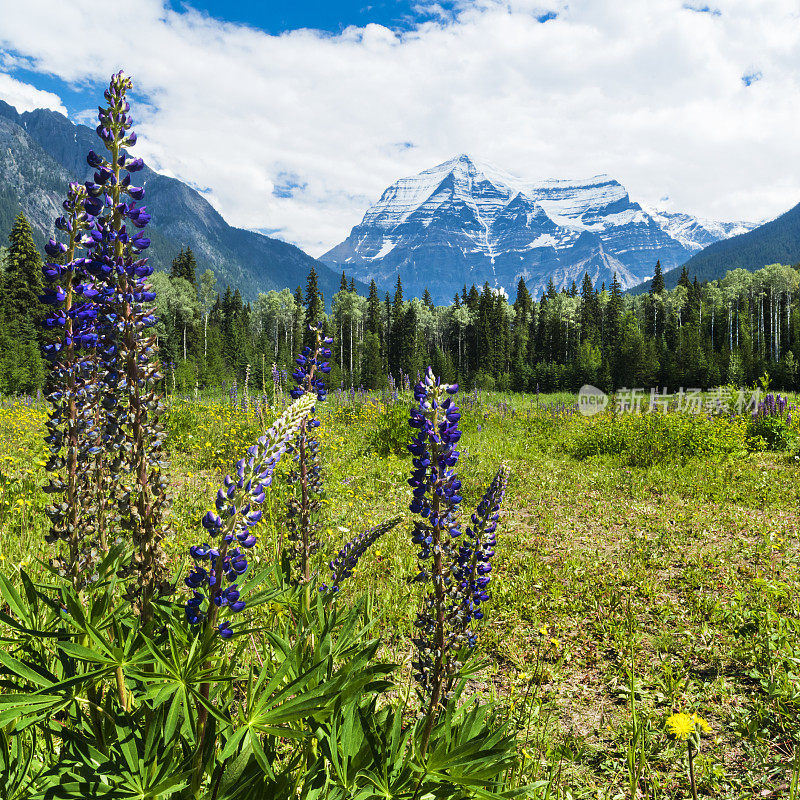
x=543 y=630
x=680 y=726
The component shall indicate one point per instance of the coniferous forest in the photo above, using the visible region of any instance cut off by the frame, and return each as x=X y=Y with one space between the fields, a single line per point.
x=728 y=331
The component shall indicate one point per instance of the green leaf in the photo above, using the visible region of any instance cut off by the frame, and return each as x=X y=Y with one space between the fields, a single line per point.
x=24 y=671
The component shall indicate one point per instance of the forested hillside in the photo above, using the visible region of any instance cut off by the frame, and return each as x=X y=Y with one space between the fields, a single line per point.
x=775 y=242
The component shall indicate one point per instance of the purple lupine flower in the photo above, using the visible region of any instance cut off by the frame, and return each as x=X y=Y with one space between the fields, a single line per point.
x=476 y=551
x=303 y=507
x=237 y=512
x=454 y=570
x=347 y=558
x=308 y=363
x=435 y=488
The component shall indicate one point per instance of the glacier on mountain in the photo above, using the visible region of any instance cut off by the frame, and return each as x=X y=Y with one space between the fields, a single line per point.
x=466 y=221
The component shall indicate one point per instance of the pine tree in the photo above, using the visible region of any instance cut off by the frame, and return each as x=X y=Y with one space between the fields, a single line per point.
x=397 y=332
x=23 y=283
x=21 y=313
x=372 y=373
x=184 y=266
x=615 y=314
x=426 y=298
x=657 y=286
x=684 y=278
x=343 y=283
x=314 y=306
x=374 y=311
x=589 y=310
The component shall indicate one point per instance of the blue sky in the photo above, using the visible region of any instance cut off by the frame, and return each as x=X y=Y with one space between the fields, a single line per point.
x=293 y=117
x=277 y=16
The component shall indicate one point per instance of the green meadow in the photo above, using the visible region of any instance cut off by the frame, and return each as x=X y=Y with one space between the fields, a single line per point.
x=647 y=566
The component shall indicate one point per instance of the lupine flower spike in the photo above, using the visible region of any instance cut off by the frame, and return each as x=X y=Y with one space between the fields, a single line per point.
x=456 y=574
x=132 y=433
x=347 y=558
x=230 y=526
x=72 y=390
x=303 y=507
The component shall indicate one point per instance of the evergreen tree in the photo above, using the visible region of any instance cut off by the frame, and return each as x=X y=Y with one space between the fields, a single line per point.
x=23 y=283
x=589 y=320
x=657 y=286
x=184 y=266
x=372 y=372
x=314 y=305
x=397 y=345
x=374 y=311
x=21 y=313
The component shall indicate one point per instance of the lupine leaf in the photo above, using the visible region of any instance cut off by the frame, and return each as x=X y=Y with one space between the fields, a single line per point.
x=12 y=598
x=24 y=671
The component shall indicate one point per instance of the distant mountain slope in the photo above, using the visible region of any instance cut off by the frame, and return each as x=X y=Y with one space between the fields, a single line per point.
x=465 y=221
x=41 y=151
x=775 y=242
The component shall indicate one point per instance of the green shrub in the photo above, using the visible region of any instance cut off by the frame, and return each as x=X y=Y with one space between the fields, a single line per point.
x=390 y=433
x=642 y=440
x=769 y=433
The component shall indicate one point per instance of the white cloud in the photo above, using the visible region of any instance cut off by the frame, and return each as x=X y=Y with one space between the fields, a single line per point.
x=25 y=97
x=651 y=93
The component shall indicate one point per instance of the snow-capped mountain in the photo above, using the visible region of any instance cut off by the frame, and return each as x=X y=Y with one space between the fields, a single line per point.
x=466 y=221
x=695 y=233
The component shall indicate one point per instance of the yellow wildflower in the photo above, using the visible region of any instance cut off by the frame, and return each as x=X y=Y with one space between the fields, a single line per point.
x=682 y=726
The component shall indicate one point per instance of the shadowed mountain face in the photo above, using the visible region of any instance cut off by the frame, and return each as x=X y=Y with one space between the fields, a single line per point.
x=42 y=151
x=465 y=222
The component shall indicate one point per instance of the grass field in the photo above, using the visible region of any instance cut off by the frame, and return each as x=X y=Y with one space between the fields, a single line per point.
x=645 y=566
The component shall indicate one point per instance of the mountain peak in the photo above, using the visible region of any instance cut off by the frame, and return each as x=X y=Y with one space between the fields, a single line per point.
x=466 y=220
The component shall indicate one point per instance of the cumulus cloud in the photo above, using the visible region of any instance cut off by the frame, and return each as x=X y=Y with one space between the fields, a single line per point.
x=298 y=133
x=25 y=97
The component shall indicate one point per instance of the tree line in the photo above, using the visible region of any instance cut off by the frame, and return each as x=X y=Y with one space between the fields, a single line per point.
x=732 y=330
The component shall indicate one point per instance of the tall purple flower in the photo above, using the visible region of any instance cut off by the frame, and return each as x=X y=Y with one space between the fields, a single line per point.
x=133 y=435
x=454 y=570
x=238 y=511
x=303 y=508
x=348 y=556
x=435 y=488
x=73 y=392
x=473 y=572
